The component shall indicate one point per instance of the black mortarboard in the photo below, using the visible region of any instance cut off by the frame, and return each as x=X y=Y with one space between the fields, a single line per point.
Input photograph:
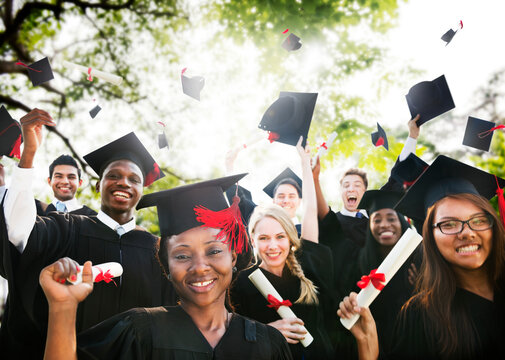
x=44 y=73
x=374 y=200
x=202 y=204
x=162 y=140
x=192 y=86
x=444 y=177
x=10 y=135
x=292 y=43
x=478 y=133
x=94 y=112
x=429 y=99
x=447 y=37
x=127 y=147
x=284 y=175
x=289 y=117
x=406 y=172
x=380 y=138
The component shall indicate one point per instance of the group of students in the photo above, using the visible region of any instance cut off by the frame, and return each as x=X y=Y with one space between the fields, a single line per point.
x=187 y=294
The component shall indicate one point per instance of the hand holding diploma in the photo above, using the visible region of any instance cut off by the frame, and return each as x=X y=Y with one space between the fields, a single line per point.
x=377 y=279
x=268 y=291
x=323 y=148
x=103 y=272
x=90 y=72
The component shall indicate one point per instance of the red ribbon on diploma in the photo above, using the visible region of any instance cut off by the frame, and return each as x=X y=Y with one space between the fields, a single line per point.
x=107 y=277
x=90 y=78
x=376 y=278
x=275 y=303
x=323 y=145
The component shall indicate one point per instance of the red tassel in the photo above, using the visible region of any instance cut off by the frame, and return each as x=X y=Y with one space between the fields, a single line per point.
x=229 y=221
x=272 y=136
x=501 y=201
x=16 y=149
x=379 y=142
x=153 y=175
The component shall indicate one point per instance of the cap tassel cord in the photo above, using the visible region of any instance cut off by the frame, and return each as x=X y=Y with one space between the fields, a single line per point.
x=272 y=136
x=487 y=132
x=16 y=149
x=501 y=201
x=26 y=66
x=152 y=175
x=229 y=221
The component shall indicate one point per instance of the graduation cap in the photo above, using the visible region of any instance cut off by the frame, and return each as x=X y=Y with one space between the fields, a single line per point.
x=380 y=138
x=406 y=172
x=478 y=133
x=162 y=141
x=192 y=86
x=201 y=204
x=374 y=200
x=429 y=99
x=40 y=72
x=10 y=135
x=292 y=43
x=289 y=117
x=445 y=177
x=447 y=37
x=287 y=176
x=130 y=148
x=94 y=112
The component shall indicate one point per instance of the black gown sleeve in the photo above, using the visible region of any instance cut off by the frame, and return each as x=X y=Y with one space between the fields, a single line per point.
x=280 y=347
x=123 y=336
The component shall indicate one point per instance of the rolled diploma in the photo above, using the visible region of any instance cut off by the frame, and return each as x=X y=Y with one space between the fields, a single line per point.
x=114 y=268
x=395 y=259
x=265 y=287
x=321 y=151
x=113 y=79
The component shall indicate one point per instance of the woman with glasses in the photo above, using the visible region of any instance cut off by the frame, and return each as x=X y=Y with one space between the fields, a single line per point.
x=457 y=311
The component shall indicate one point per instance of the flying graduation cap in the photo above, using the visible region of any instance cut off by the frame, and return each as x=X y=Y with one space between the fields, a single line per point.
x=380 y=138
x=429 y=99
x=94 y=112
x=447 y=37
x=192 y=86
x=10 y=135
x=162 y=138
x=289 y=117
x=479 y=133
x=286 y=176
x=292 y=43
x=39 y=72
x=127 y=147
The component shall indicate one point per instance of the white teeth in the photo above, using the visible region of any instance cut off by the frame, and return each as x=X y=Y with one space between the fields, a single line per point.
x=203 y=283
x=121 y=194
x=469 y=248
x=273 y=254
x=387 y=233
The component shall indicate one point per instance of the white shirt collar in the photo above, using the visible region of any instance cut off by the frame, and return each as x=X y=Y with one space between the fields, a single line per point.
x=295 y=220
x=346 y=212
x=113 y=224
x=3 y=189
x=71 y=204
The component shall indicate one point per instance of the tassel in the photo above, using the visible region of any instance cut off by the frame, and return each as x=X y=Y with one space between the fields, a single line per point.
x=483 y=134
x=501 y=201
x=229 y=221
x=379 y=142
x=153 y=175
x=16 y=149
x=272 y=136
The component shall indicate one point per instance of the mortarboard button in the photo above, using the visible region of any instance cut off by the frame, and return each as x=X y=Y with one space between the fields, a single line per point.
x=444 y=177
x=429 y=99
x=374 y=200
x=10 y=135
x=127 y=147
x=478 y=133
x=192 y=86
x=380 y=138
x=284 y=175
x=94 y=112
x=289 y=117
x=292 y=43
x=40 y=72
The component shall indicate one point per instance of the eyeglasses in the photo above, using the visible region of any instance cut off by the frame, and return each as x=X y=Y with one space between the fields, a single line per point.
x=477 y=223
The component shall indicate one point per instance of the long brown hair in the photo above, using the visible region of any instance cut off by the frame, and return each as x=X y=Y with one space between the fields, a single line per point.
x=454 y=334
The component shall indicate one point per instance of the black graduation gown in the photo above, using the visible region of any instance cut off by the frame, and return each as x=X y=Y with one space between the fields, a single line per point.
x=84 y=210
x=169 y=333
x=316 y=262
x=80 y=238
x=414 y=341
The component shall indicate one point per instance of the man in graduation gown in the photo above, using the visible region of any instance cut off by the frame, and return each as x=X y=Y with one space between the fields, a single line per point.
x=124 y=167
x=64 y=179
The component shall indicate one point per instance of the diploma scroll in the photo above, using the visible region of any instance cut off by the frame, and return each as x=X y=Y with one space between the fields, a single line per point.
x=265 y=288
x=391 y=264
x=103 y=272
x=323 y=148
x=113 y=79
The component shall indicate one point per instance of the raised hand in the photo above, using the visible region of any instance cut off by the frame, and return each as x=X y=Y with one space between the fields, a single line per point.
x=304 y=153
x=413 y=128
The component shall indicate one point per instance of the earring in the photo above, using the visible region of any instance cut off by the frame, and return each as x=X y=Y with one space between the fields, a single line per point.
x=234 y=269
x=169 y=277
x=293 y=248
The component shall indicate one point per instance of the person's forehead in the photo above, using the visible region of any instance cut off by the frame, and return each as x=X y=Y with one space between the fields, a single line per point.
x=286 y=189
x=123 y=165
x=65 y=169
x=352 y=178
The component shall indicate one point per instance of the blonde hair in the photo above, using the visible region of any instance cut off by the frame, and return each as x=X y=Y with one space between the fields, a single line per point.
x=308 y=291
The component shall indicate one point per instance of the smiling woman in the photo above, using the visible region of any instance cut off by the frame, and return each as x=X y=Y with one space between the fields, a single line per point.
x=200 y=260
